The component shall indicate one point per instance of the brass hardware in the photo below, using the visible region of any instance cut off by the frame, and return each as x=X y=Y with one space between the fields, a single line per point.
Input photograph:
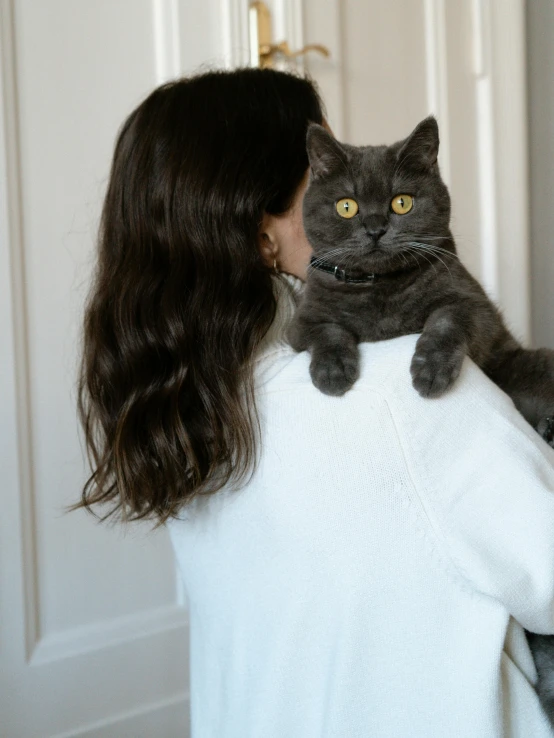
x=262 y=51
x=267 y=51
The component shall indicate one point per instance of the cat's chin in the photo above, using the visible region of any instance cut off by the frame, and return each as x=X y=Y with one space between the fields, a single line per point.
x=379 y=261
x=367 y=261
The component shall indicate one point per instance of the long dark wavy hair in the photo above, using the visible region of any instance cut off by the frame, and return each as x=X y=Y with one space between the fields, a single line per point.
x=181 y=297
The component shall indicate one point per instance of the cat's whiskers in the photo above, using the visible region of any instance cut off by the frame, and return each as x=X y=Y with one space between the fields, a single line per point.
x=404 y=257
x=440 y=250
x=429 y=236
x=434 y=247
x=338 y=251
x=433 y=251
x=418 y=252
x=424 y=237
x=332 y=252
x=416 y=248
x=457 y=238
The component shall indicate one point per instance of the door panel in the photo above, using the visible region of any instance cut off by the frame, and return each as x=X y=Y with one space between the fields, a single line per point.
x=93 y=627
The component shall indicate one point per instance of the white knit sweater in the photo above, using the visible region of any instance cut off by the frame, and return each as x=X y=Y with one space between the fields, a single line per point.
x=373 y=578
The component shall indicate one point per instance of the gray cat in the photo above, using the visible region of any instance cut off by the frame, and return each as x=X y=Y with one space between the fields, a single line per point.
x=385 y=265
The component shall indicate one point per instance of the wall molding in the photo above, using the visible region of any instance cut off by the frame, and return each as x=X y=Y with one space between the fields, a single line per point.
x=234 y=33
x=170 y=712
x=499 y=63
x=104 y=634
x=11 y=176
x=485 y=143
x=167 y=49
x=436 y=63
x=288 y=24
x=501 y=95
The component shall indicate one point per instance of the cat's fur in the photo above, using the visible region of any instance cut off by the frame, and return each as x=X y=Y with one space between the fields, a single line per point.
x=421 y=287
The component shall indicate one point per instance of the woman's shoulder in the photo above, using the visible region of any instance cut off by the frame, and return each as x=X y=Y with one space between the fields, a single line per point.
x=384 y=369
x=473 y=407
x=384 y=359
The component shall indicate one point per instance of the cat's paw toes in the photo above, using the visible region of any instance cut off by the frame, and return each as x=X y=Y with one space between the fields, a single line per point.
x=334 y=373
x=545 y=428
x=434 y=372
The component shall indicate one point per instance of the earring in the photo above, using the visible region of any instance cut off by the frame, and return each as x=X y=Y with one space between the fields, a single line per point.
x=275 y=269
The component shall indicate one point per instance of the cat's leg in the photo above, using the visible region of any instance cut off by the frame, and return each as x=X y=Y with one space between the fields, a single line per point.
x=298 y=333
x=334 y=365
x=545 y=428
x=542 y=648
x=528 y=377
x=440 y=351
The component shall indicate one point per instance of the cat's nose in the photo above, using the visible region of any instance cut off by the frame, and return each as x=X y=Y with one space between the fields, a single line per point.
x=376 y=226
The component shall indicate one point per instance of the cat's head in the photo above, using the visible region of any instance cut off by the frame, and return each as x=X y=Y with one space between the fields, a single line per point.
x=368 y=207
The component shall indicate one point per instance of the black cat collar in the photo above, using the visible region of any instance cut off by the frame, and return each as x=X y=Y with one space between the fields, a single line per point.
x=343 y=276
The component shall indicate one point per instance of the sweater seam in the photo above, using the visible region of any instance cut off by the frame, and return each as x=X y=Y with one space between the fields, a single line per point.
x=441 y=544
x=442 y=531
x=433 y=532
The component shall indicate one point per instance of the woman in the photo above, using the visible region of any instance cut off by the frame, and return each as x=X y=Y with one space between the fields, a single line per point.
x=355 y=566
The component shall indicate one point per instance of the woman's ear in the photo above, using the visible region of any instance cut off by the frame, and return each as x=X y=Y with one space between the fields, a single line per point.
x=268 y=247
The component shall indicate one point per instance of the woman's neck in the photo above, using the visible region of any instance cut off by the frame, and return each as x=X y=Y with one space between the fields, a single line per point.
x=287 y=289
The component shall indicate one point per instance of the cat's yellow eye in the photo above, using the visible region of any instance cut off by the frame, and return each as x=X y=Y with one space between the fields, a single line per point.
x=347 y=207
x=402 y=204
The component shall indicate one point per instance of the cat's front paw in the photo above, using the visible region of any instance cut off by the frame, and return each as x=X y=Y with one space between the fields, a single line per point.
x=334 y=371
x=434 y=369
x=545 y=428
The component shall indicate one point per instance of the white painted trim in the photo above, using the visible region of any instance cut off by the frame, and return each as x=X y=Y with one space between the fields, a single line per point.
x=234 y=33
x=114 y=632
x=499 y=64
x=122 y=724
x=330 y=73
x=167 y=49
x=288 y=25
x=11 y=178
x=500 y=70
x=436 y=62
x=253 y=37
x=484 y=91
x=294 y=23
x=512 y=163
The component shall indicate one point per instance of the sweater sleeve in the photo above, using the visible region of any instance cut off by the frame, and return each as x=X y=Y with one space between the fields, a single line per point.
x=486 y=481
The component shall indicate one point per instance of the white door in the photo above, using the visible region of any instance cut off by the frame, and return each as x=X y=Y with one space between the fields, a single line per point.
x=93 y=632
x=93 y=627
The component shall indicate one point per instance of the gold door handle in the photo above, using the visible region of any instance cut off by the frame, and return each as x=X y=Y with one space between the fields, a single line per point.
x=268 y=50
x=262 y=51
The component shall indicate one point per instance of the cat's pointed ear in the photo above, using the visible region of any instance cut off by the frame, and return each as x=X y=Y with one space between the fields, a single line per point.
x=324 y=152
x=421 y=148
